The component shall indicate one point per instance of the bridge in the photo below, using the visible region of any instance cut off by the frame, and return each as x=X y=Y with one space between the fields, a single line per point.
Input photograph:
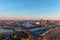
x=43 y=34
x=48 y=32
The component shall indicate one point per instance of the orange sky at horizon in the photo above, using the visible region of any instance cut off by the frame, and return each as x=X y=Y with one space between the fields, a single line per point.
x=27 y=18
x=29 y=10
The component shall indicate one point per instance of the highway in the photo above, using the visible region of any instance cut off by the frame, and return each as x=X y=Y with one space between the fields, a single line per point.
x=44 y=32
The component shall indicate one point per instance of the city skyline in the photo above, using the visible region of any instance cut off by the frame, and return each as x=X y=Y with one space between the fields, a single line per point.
x=30 y=9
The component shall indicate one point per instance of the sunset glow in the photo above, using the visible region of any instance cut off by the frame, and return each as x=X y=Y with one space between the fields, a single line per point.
x=29 y=9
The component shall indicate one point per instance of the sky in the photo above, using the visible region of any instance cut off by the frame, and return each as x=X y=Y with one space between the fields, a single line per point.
x=30 y=9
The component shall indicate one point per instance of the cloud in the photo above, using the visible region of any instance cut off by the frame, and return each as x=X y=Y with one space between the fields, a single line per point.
x=23 y=11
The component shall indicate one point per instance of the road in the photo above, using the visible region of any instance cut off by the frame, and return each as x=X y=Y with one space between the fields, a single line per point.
x=53 y=35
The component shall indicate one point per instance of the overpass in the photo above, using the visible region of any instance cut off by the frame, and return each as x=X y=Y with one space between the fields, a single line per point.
x=42 y=34
x=48 y=32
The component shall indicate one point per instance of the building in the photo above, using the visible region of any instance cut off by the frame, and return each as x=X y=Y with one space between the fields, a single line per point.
x=37 y=23
x=26 y=24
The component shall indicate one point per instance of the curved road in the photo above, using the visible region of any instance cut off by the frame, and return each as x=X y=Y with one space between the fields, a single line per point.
x=53 y=35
